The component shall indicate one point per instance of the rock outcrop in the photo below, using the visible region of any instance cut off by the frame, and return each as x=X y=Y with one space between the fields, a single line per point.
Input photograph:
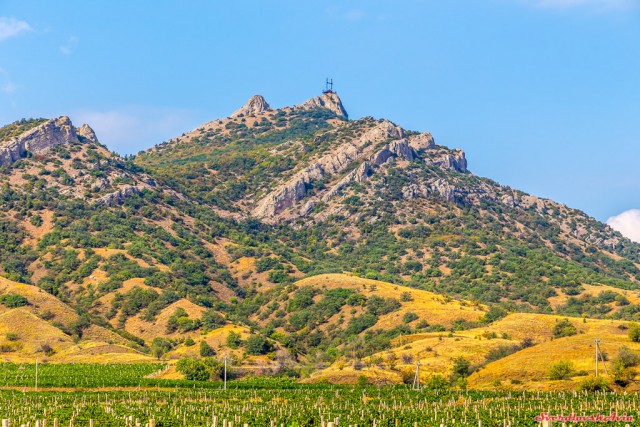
x=118 y=197
x=358 y=175
x=295 y=188
x=39 y=139
x=399 y=148
x=86 y=132
x=451 y=160
x=256 y=105
x=422 y=142
x=329 y=100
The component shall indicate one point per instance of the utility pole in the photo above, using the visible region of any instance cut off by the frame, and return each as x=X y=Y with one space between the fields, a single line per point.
x=416 y=379
x=225 y=372
x=36 y=374
x=597 y=354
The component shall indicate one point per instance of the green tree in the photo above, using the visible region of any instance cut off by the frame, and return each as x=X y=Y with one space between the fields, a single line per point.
x=561 y=370
x=564 y=328
x=461 y=369
x=160 y=346
x=257 y=344
x=634 y=332
x=13 y=300
x=233 y=340
x=211 y=319
x=193 y=370
x=206 y=350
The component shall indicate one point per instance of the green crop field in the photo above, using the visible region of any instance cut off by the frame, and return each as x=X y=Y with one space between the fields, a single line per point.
x=272 y=402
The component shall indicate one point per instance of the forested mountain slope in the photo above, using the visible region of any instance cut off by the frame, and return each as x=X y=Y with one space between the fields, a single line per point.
x=214 y=226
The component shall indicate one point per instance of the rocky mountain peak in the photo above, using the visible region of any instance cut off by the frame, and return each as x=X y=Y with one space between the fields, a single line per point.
x=87 y=132
x=39 y=139
x=329 y=100
x=256 y=105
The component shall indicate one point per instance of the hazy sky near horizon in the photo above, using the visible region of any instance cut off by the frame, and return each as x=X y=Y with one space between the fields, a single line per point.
x=543 y=95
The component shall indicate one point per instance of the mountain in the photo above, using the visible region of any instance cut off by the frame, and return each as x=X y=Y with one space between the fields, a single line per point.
x=271 y=221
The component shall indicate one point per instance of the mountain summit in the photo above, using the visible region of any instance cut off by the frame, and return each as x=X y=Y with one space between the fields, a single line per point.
x=256 y=105
x=219 y=224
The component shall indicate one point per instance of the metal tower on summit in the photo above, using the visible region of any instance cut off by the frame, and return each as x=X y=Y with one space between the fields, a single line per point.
x=328 y=86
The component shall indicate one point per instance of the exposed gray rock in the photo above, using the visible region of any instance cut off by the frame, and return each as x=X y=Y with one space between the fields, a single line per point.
x=85 y=131
x=281 y=199
x=451 y=160
x=118 y=197
x=534 y=202
x=358 y=175
x=382 y=132
x=39 y=139
x=331 y=101
x=294 y=189
x=399 y=148
x=308 y=207
x=256 y=105
x=422 y=142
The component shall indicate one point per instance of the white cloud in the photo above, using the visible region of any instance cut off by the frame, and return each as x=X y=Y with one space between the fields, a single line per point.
x=6 y=84
x=627 y=223
x=10 y=27
x=129 y=129
x=8 y=87
x=339 y=13
x=67 y=49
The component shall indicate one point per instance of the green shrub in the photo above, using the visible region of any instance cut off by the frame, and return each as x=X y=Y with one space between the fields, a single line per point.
x=634 y=332
x=257 y=344
x=437 y=382
x=206 y=350
x=193 y=370
x=561 y=370
x=594 y=384
x=564 y=328
x=233 y=340
x=13 y=300
x=409 y=317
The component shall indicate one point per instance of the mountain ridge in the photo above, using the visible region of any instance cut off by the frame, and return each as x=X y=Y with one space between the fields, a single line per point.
x=212 y=229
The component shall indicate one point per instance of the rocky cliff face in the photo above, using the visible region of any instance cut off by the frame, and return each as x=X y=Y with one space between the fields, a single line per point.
x=330 y=100
x=39 y=139
x=364 y=155
x=256 y=105
x=87 y=133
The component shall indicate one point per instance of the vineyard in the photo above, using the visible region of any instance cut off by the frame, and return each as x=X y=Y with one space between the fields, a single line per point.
x=80 y=375
x=344 y=406
x=262 y=402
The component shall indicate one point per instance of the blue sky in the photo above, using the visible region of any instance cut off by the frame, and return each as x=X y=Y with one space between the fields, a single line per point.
x=543 y=95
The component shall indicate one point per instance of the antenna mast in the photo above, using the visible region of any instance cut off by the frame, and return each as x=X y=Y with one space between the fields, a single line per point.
x=328 y=86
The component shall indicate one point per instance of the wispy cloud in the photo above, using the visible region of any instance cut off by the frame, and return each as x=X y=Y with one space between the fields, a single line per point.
x=351 y=15
x=129 y=129
x=6 y=84
x=593 y=5
x=68 y=48
x=11 y=27
x=627 y=223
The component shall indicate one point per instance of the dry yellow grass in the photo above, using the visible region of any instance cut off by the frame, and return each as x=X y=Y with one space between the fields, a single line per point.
x=531 y=365
x=39 y=300
x=429 y=306
x=158 y=328
x=216 y=338
x=594 y=290
x=527 y=368
x=98 y=345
